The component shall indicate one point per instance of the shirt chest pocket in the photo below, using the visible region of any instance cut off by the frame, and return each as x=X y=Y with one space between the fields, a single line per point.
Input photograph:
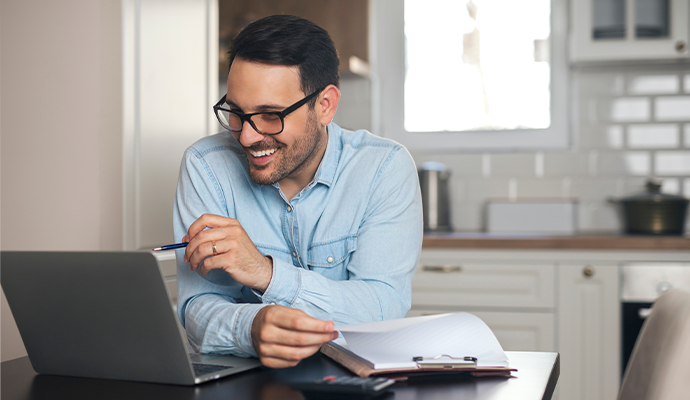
x=331 y=253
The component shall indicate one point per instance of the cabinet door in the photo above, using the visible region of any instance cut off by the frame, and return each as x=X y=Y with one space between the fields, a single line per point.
x=589 y=331
x=610 y=30
x=514 y=331
x=446 y=279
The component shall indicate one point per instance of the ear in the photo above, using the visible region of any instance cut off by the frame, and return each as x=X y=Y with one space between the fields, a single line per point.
x=327 y=103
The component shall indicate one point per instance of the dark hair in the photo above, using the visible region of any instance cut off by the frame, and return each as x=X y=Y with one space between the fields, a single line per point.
x=289 y=40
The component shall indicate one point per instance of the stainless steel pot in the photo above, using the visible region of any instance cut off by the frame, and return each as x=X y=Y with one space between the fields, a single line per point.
x=653 y=212
x=433 y=180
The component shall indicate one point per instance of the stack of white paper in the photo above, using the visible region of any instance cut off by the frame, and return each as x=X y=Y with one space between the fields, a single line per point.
x=392 y=344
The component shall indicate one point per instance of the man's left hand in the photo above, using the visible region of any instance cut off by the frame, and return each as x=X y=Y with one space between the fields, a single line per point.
x=235 y=253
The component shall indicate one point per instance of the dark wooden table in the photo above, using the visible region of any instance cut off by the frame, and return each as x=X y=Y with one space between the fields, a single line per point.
x=536 y=379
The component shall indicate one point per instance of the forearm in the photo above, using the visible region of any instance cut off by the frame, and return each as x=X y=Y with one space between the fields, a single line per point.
x=374 y=298
x=216 y=325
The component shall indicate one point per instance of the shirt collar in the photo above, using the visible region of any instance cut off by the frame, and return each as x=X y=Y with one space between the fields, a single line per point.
x=329 y=163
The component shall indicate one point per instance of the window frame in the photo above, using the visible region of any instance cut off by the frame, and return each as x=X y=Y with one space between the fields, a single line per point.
x=387 y=59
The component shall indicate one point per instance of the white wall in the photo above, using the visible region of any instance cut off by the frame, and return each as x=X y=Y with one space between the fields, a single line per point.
x=99 y=100
x=61 y=126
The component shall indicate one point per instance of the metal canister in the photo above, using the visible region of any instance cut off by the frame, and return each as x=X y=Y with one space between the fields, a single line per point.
x=434 y=179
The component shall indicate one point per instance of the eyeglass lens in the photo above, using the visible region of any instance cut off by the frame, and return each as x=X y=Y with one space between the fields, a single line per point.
x=266 y=123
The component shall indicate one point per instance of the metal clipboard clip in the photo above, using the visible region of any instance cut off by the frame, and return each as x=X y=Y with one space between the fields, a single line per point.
x=444 y=361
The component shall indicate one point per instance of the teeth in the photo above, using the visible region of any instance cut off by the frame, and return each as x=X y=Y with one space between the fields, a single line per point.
x=262 y=153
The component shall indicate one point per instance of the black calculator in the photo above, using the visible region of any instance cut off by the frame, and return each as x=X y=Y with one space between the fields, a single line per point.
x=344 y=387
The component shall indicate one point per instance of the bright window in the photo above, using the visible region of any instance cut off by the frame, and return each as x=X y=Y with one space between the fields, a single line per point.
x=471 y=74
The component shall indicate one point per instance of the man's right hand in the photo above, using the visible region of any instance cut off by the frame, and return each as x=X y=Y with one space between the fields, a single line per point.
x=283 y=336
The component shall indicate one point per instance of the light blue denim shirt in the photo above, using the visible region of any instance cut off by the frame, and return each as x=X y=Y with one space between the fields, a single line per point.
x=344 y=249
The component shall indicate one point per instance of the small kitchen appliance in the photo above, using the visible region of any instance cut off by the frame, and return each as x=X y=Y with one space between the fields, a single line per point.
x=433 y=180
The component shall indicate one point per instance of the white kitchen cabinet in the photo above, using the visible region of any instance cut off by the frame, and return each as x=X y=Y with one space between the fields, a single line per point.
x=515 y=298
x=619 y=30
x=515 y=331
x=589 y=331
x=443 y=279
x=539 y=300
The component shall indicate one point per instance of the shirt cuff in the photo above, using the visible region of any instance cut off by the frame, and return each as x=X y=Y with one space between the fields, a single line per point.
x=285 y=285
x=243 y=328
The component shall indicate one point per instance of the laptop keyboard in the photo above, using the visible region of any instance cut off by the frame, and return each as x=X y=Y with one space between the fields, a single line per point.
x=203 y=369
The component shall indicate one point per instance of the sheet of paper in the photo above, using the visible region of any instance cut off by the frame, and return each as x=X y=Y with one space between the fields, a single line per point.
x=392 y=344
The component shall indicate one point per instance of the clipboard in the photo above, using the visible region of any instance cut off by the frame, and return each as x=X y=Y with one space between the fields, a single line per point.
x=446 y=362
x=423 y=366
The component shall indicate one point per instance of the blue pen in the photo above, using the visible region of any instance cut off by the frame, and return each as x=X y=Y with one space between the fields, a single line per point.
x=171 y=246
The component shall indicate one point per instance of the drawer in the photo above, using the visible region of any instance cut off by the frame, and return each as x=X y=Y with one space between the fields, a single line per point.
x=515 y=331
x=443 y=281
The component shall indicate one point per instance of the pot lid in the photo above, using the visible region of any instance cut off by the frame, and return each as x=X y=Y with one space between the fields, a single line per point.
x=654 y=194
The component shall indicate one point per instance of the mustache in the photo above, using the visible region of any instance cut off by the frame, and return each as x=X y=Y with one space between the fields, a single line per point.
x=266 y=144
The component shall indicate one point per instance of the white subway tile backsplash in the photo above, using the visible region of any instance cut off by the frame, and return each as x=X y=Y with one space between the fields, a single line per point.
x=686 y=83
x=614 y=136
x=654 y=84
x=593 y=137
x=478 y=190
x=633 y=186
x=686 y=138
x=558 y=164
x=670 y=186
x=599 y=84
x=529 y=188
x=512 y=189
x=566 y=187
x=593 y=189
x=672 y=163
x=513 y=164
x=653 y=136
x=593 y=163
x=686 y=187
x=672 y=108
x=539 y=164
x=624 y=163
x=486 y=165
x=467 y=217
x=458 y=189
x=637 y=163
x=630 y=109
x=598 y=216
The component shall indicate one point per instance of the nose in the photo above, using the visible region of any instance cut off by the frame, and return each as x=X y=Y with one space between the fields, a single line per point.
x=248 y=135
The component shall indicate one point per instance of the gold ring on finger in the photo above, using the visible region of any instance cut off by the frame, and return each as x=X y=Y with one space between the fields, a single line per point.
x=213 y=246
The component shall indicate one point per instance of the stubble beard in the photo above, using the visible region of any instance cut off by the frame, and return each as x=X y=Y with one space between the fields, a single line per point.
x=292 y=160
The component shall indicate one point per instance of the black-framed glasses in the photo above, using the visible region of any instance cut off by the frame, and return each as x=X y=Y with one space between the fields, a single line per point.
x=266 y=123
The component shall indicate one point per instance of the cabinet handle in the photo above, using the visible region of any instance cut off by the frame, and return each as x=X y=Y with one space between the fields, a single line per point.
x=680 y=46
x=588 y=271
x=442 y=268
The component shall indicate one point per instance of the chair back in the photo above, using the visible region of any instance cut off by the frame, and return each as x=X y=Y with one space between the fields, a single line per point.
x=659 y=367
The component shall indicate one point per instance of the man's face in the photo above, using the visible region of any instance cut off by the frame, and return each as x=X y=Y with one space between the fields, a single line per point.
x=293 y=153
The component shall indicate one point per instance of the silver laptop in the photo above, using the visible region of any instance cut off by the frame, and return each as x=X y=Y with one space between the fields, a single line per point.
x=104 y=315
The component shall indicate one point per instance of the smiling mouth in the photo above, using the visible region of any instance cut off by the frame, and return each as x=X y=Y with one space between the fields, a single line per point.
x=262 y=153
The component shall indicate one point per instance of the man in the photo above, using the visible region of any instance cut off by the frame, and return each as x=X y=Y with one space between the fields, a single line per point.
x=294 y=224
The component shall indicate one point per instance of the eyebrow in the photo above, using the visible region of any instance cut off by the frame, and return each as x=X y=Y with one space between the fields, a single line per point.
x=260 y=108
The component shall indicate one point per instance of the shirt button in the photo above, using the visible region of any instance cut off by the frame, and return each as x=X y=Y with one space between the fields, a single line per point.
x=329 y=259
x=294 y=254
x=289 y=208
x=273 y=303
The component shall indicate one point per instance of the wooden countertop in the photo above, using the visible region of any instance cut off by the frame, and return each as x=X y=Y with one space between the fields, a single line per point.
x=466 y=240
